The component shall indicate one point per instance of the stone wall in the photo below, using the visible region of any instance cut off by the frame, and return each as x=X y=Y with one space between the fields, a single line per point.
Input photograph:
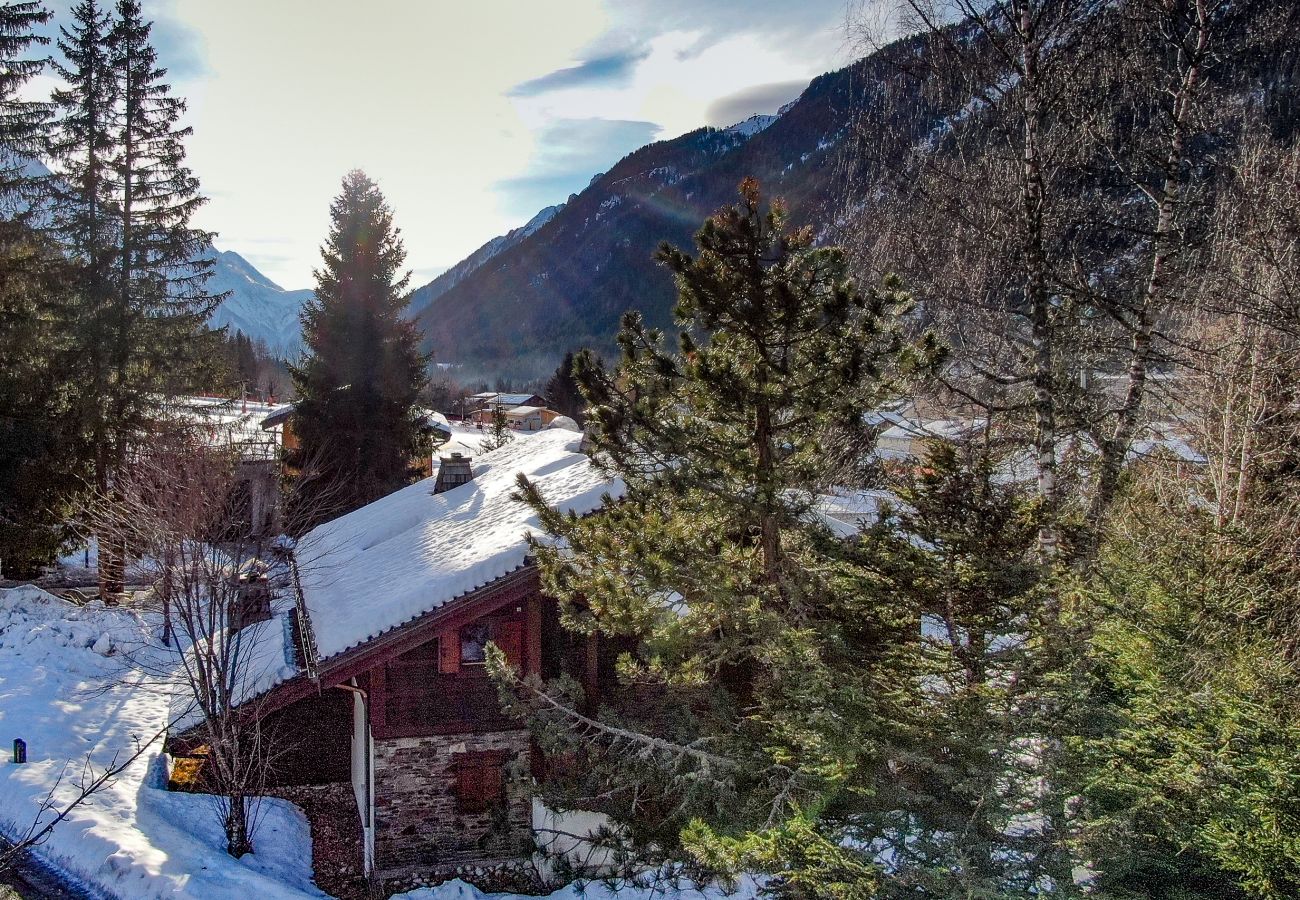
x=418 y=827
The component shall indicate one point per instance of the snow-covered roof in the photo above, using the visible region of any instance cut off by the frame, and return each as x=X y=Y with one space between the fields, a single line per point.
x=413 y=551
x=942 y=429
x=520 y=412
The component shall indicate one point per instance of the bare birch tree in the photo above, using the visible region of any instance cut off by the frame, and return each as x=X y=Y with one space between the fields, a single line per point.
x=212 y=571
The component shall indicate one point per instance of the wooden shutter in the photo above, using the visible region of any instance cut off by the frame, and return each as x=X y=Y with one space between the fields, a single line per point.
x=509 y=637
x=449 y=652
x=480 y=781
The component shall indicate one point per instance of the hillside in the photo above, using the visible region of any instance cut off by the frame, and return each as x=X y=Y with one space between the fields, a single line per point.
x=422 y=297
x=256 y=305
x=566 y=284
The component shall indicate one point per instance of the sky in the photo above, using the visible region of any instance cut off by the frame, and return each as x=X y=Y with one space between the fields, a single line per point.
x=471 y=115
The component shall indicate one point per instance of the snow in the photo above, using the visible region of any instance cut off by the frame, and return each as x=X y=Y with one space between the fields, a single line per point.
x=747 y=889
x=751 y=126
x=256 y=305
x=413 y=551
x=67 y=690
x=563 y=422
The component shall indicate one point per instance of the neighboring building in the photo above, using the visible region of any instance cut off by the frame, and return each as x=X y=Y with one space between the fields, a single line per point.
x=236 y=424
x=530 y=418
x=384 y=652
x=909 y=439
x=491 y=399
x=280 y=424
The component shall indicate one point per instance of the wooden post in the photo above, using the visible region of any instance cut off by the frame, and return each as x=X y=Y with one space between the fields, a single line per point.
x=591 y=683
x=533 y=637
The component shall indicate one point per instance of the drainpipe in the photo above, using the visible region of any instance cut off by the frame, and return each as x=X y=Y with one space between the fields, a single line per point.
x=365 y=706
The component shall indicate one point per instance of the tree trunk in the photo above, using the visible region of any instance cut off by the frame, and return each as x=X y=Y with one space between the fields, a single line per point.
x=1115 y=449
x=238 y=841
x=1033 y=198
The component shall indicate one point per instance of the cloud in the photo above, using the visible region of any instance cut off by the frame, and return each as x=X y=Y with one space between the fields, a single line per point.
x=603 y=70
x=798 y=25
x=761 y=99
x=569 y=152
x=180 y=48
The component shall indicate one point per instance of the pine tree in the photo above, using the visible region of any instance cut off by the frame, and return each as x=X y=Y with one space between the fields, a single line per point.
x=770 y=665
x=501 y=433
x=356 y=417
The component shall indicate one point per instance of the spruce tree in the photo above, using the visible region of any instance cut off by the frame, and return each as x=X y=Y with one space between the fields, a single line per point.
x=21 y=121
x=39 y=469
x=361 y=432
x=41 y=455
x=122 y=204
x=770 y=665
x=966 y=811
x=500 y=434
x=163 y=262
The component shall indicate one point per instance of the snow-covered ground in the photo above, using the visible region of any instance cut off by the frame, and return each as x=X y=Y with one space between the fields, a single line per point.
x=458 y=890
x=66 y=690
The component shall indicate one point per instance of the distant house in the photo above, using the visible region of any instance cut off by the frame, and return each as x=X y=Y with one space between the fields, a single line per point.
x=381 y=673
x=226 y=423
x=492 y=399
x=530 y=418
x=280 y=424
x=909 y=439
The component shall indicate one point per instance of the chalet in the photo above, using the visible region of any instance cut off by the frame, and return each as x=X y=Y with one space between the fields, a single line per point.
x=907 y=439
x=492 y=399
x=376 y=661
x=530 y=418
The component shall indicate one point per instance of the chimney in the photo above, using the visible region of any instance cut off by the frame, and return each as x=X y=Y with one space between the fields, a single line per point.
x=453 y=471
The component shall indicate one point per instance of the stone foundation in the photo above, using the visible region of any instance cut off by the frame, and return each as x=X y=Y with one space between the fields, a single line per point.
x=517 y=876
x=419 y=831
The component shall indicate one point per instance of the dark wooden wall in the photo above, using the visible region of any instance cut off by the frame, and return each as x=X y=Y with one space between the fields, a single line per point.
x=311 y=740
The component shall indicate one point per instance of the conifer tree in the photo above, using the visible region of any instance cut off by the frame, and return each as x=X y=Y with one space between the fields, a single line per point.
x=21 y=121
x=39 y=469
x=562 y=392
x=966 y=811
x=41 y=455
x=356 y=417
x=500 y=434
x=122 y=205
x=770 y=665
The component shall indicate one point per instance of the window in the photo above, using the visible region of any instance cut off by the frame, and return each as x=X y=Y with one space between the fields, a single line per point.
x=480 y=780
x=473 y=643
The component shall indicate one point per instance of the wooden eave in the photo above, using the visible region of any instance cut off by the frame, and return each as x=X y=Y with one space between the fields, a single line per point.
x=512 y=587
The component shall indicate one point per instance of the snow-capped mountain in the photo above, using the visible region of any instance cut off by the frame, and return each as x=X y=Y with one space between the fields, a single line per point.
x=422 y=297
x=256 y=305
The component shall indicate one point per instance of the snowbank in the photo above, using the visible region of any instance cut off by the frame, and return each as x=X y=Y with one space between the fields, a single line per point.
x=459 y=890
x=66 y=689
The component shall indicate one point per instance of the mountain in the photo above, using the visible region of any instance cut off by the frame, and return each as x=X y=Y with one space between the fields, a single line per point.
x=566 y=284
x=422 y=297
x=256 y=305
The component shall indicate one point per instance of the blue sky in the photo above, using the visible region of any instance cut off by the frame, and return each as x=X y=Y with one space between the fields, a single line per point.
x=471 y=115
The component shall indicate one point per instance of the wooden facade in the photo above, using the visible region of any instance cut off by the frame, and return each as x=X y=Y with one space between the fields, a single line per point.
x=442 y=775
